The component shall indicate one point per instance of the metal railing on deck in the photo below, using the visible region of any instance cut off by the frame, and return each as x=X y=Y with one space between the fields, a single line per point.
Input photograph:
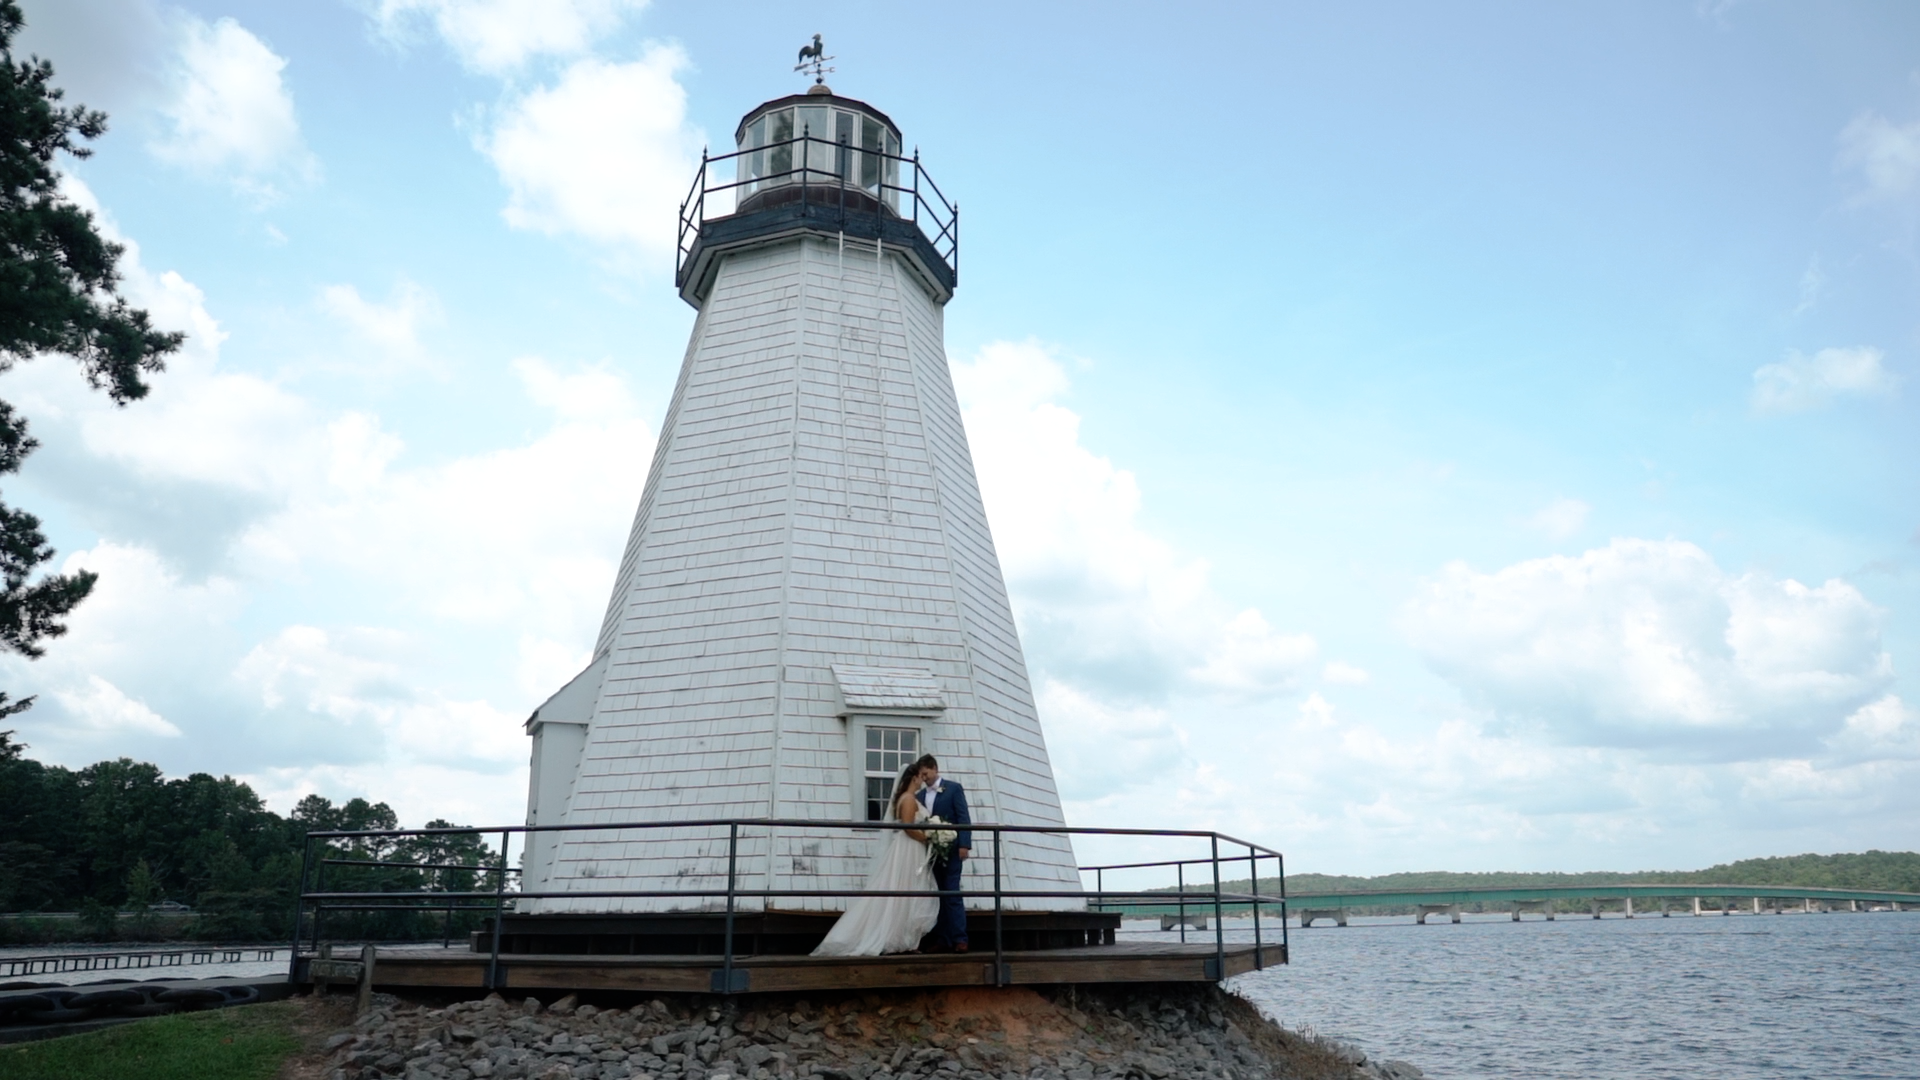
x=911 y=195
x=491 y=894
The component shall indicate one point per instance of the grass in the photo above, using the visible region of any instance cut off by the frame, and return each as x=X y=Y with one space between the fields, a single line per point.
x=245 y=1043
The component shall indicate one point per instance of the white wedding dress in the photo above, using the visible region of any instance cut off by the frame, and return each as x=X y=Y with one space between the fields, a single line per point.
x=877 y=925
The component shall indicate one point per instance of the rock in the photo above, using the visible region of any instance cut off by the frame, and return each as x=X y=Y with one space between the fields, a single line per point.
x=1401 y=1070
x=530 y=1006
x=335 y=1042
x=565 y=1005
x=586 y=1012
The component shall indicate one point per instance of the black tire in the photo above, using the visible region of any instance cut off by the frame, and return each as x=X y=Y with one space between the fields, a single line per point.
x=191 y=997
x=241 y=995
x=109 y=1000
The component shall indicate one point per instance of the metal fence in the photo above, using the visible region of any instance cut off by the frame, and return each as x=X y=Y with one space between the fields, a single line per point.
x=495 y=892
x=820 y=172
x=14 y=967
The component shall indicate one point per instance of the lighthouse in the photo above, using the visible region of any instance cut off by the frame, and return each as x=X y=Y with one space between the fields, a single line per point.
x=810 y=596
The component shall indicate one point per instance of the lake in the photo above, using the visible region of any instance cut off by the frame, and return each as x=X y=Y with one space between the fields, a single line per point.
x=1761 y=996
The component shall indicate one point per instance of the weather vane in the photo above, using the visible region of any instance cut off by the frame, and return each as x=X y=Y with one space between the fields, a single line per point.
x=815 y=57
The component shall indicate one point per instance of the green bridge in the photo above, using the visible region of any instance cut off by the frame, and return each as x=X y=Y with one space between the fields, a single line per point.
x=1653 y=899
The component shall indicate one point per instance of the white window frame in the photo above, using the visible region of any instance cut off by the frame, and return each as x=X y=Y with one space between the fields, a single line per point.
x=857 y=726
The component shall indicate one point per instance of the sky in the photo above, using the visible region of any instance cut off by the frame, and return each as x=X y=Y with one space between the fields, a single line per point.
x=1472 y=436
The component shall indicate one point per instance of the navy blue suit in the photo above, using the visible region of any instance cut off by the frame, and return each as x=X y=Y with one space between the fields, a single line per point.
x=949 y=804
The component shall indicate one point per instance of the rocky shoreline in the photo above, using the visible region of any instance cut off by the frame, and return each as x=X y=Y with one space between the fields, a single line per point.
x=1146 y=1032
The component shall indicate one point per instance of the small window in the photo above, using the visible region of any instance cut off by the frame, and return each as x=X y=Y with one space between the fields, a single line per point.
x=870 y=161
x=817 y=126
x=780 y=137
x=843 y=134
x=891 y=173
x=889 y=750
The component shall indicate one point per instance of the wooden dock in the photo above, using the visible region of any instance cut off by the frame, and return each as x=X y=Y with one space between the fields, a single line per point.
x=1128 y=962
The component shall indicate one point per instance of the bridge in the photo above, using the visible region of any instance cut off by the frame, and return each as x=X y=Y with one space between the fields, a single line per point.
x=1545 y=899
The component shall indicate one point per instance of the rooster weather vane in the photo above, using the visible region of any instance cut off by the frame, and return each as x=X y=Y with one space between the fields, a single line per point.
x=815 y=57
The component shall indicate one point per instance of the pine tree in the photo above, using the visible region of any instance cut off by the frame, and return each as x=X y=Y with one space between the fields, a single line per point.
x=59 y=293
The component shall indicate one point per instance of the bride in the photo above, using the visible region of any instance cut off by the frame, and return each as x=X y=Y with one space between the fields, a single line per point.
x=876 y=925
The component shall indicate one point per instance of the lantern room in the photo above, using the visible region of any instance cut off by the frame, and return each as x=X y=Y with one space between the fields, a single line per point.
x=839 y=148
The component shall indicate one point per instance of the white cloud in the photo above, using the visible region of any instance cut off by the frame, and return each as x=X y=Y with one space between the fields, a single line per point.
x=1560 y=518
x=1878 y=731
x=229 y=110
x=592 y=394
x=497 y=36
x=1344 y=674
x=604 y=153
x=1101 y=601
x=1100 y=747
x=1648 y=643
x=104 y=710
x=1799 y=383
x=1885 y=154
x=469 y=581
x=356 y=676
x=394 y=327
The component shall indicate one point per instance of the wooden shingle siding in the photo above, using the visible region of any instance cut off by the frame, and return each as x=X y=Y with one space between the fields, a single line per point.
x=812 y=502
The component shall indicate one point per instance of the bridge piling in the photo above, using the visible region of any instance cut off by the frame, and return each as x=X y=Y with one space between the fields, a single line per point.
x=1545 y=907
x=1451 y=910
x=1626 y=905
x=1308 y=915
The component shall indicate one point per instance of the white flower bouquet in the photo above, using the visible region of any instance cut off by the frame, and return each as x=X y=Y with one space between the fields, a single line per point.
x=939 y=841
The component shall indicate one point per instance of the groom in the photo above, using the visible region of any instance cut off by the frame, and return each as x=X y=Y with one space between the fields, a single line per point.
x=946 y=800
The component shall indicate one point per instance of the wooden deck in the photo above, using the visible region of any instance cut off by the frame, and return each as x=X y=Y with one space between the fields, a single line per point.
x=1129 y=962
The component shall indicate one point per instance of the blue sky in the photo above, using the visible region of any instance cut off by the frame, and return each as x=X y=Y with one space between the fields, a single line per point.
x=1475 y=437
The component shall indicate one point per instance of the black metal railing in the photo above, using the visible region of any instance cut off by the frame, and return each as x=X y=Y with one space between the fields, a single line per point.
x=462 y=891
x=825 y=176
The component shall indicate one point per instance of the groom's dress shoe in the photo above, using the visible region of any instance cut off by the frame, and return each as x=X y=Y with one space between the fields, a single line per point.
x=959 y=946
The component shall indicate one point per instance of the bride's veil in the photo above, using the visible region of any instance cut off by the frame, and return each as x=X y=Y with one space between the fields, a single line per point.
x=900 y=787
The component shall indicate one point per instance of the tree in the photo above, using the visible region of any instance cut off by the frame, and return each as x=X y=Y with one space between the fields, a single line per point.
x=59 y=293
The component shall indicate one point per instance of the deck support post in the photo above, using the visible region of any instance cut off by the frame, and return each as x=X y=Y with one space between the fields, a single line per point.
x=1594 y=906
x=733 y=850
x=1253 y=881
x=494 y=981
x=363 y=1001
x=1219 y=920
x=1756 y=905
x=999 y=932
x=1696 y=907
x=1626 y=904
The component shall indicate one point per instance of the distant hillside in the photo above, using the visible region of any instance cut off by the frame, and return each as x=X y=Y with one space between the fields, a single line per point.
x=1897 y=870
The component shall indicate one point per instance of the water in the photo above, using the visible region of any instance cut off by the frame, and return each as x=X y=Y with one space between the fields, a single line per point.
x=1747 y=996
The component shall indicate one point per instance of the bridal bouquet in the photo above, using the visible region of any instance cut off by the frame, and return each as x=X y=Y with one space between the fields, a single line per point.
x=939 y=841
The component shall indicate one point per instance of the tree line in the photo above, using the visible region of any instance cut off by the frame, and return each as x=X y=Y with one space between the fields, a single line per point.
x=1895 y=871
x=122 y=845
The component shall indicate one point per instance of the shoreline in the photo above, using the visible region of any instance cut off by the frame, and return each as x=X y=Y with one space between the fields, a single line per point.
x=1112 y=1032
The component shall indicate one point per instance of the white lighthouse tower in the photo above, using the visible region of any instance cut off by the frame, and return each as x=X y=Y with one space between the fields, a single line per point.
x=810 y=595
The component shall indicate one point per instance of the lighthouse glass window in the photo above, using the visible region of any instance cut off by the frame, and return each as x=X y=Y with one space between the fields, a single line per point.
x=889 y=750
